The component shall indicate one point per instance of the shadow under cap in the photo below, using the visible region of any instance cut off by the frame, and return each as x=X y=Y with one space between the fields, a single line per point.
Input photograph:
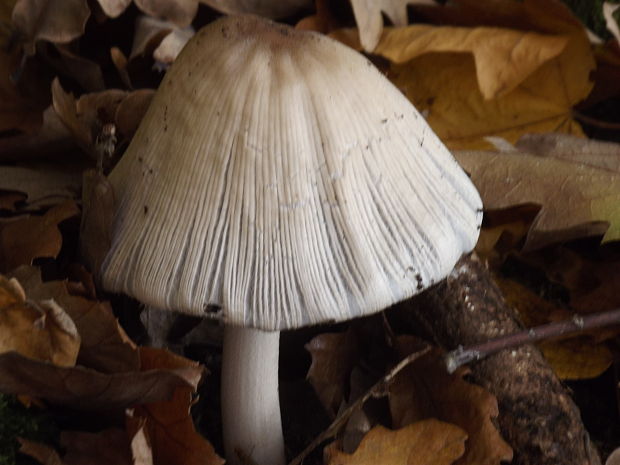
x=281 y=177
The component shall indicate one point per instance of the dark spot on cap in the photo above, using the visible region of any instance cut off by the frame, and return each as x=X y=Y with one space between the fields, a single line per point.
x=225 y=33
x=146 y=209
x=420 y=285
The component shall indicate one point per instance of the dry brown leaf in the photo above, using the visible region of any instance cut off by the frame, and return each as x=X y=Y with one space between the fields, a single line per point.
x=576 y=358
x=171 y=45
x=168 y=424
x=599 y=154
x=50 y=137
x=368 y=16
x=86 y=389
x=576 y=200
x=179 y=12
x=428 y=442
x=425 y=390
x=333 y=358
x=23 y=240
x=58 y=21
x=131 y=110
x=140 y=447
x=45 y=184
x=105 y=346
x=86 y=72
x=273 y=9
x=503 y=58
x=43 y=453
x=41 y=330
x=120 y=63
x=108 y=447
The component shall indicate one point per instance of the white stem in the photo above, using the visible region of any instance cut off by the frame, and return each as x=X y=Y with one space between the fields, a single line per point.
x=252 y=426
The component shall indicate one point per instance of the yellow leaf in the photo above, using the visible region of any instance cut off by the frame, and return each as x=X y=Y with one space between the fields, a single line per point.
x=578 y=358
x=576 y=200
x=428 y=442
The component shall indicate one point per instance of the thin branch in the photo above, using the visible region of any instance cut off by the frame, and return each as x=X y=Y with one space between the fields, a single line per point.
x=377 y=390
x=595 y=122
x=577 y=324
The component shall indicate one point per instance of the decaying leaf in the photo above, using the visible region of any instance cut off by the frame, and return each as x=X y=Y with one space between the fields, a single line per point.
x=333 y=358
x=43 y=453
x=168 y=424
x=172 y=44
x=105 y=346
x=576 y=200
x=45 y=184
x=425 y=390
x=428 y=442
x=25 y=239
x=40 y=330
x=87 y=389
x=58 y=21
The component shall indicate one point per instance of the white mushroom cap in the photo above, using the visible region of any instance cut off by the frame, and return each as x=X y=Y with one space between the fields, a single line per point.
x=281 y=177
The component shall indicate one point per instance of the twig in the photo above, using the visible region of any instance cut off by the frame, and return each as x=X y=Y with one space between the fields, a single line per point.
x=577 y=324
x=376 y=390
x=595 y=122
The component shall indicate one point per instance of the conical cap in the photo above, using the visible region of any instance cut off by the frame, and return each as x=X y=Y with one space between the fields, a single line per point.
x=278 y=175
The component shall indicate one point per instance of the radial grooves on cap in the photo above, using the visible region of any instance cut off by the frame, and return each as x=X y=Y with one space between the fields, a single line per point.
x=284 y=179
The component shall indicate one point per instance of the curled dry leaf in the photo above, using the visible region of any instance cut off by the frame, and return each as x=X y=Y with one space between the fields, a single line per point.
x=43 y=453
x=40 y=330
x=131 y=110
x=273 y=9
x=333 y=358
x=57 y=21
x=105 y=346
x=168 y=424
x=428 y=442
x=86 y=389
x=179 y=12
x=172 y=44
x=425 y=390
x=23 y=240
x=576 y=200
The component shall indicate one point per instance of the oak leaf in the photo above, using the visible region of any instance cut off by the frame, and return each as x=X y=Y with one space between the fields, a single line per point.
x=575 y=200
x=428 y=442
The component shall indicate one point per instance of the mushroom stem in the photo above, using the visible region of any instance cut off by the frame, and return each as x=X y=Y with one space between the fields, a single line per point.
x=252 y=426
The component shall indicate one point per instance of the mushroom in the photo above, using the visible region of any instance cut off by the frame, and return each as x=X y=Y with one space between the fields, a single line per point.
x=279 y=176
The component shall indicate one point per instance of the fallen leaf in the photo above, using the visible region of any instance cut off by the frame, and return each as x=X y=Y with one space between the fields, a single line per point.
x=86 y=389
x=45 y=184
x=105 y=346
x=596 y=153
x=86 y=72
x=503 y=58
x=425 y=390
x=428 y=442
x=41 y=452
x=131 y=110
x=168 y=424
x=333 y=358
x=50 y=137
x=108 y=447
x=576 y=200
x=273 y=9
x=172 y=44
x=120 y=63
x=25 y=239
x=612 y=24
x=456 y=108
x=41 y=330
x=140 y=448
x=577 y=358
x=58 y=21
x=179 y=12
x=368 y=16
